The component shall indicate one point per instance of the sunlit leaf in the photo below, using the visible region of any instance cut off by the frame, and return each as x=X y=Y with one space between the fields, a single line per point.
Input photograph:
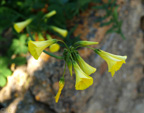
x=5 y=72
x=3 y=81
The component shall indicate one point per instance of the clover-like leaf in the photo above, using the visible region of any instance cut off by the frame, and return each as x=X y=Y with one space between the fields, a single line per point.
x=18 y=45
x=3 y=61
x=3 y=81
x=5 y=71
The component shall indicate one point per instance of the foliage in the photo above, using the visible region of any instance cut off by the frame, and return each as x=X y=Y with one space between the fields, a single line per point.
x=111 y=12
x=4 y=71
x=18 y=45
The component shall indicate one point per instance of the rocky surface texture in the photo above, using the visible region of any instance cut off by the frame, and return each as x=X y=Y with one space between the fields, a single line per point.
x=32 y=88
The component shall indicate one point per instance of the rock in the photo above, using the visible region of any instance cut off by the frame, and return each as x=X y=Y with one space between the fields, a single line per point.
x=139 y=108
x=30 y=105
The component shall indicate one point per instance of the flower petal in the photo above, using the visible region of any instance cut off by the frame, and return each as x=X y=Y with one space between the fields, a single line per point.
x=84 y=66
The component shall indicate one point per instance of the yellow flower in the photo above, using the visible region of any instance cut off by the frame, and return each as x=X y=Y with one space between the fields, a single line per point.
x=21 y=25
x=61 y=85
x=36 y=47
x=62 y=32
x=114 y=61
x=83 y=81
x=54 y=47
x=84 y=66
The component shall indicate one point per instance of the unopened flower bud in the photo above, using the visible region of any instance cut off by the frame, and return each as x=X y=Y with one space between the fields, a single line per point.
x=50 y=14
x=62 y=32
x=40 y=37
x=19 y=26
x=54 y=47
x=85 y=43
x=61 y=85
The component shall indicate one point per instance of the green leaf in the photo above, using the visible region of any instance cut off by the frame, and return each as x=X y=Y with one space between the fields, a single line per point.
x=122 y=35
x=2 y=38
x=83 y=2
x=3 y=81
x=98 y=7
x=64 y=1
x=5 y=72
x=115 y=13
x=70 y=41
x=111 y=30
x=106 y=23
x=3 y=61
x=19 y=45
x=19 y=60
x=7 y=17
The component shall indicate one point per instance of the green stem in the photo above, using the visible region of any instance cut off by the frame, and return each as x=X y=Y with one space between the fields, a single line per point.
x=58 y=57
x=75 y=55
x=64 y=70
x=64 y=44
x=90 y=47
x=95 y=50
x=27 y=28
x=71 y=57
x=77 y=47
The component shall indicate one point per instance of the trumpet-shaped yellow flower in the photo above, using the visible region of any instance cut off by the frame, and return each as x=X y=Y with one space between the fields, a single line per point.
x=21 y=25
x=62 y=32
x=114 y=61
x=54 y=47
x=61 y=85
x=83 y=81
x=36 y=47
x=85 y=43
x=84 y=66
